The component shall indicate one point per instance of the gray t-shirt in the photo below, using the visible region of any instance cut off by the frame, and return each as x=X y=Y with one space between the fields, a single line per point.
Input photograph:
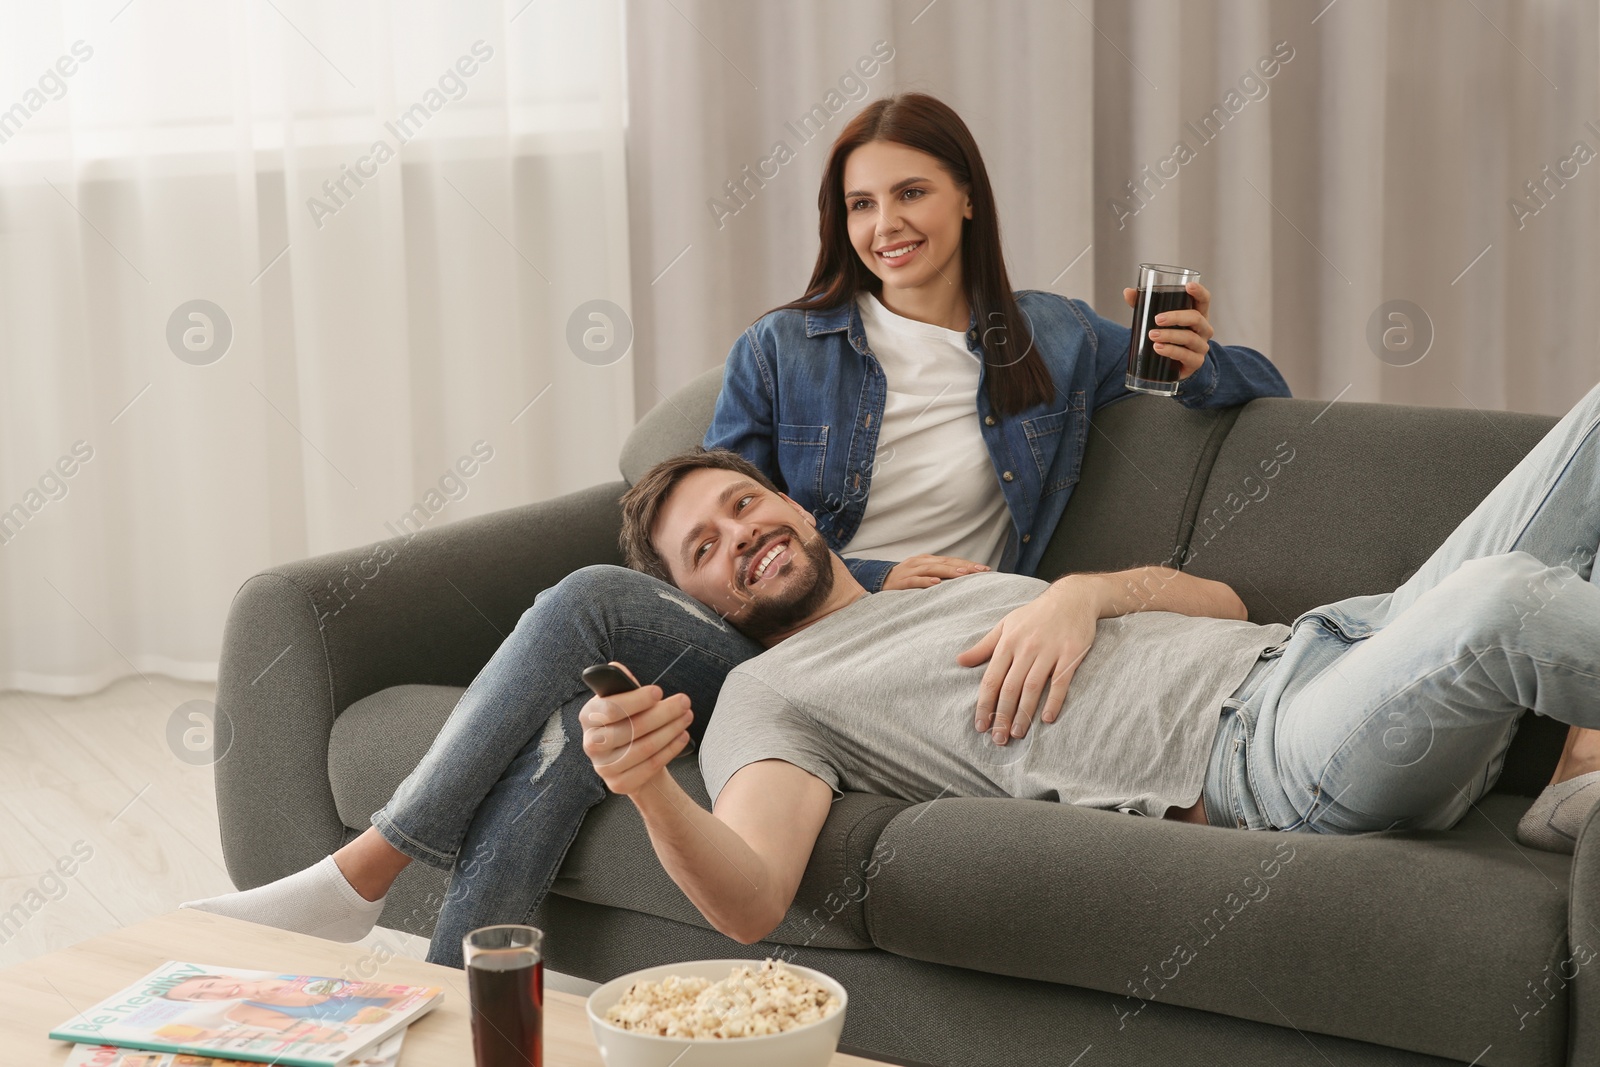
x=871 y=699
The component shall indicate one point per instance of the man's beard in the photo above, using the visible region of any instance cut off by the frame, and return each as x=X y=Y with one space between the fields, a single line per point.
x=775 y=615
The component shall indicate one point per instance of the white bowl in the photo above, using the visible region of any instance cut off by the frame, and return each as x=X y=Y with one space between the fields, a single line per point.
x=811 y=1045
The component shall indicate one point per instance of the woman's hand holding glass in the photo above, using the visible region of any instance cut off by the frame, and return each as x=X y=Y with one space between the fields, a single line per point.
x=1187 y=334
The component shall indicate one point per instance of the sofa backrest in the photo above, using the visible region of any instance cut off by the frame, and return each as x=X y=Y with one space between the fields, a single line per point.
x=1293 y=503
x=672 y=427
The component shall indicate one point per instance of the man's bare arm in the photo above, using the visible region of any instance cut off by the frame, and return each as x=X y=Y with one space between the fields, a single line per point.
x=1156 y=588
x=740 y=866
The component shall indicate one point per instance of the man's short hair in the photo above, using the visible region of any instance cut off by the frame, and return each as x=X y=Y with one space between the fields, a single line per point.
x=643 y=502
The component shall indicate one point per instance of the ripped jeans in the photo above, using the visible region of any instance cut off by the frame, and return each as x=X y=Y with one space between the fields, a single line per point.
x=500 y=795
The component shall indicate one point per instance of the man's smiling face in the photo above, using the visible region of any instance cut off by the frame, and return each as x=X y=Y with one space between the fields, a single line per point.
x=752 y=555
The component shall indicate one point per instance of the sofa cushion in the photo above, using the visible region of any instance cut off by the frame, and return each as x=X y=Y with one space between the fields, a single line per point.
x=378 y=740
x=1422 y=941
x=613 y=863
x=907 y=1011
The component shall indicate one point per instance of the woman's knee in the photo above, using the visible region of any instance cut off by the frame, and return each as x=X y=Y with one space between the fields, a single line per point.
x=601 y=584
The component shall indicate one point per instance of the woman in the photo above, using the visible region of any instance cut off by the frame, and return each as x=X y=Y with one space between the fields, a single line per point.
x=910 y=355
x=931 y=419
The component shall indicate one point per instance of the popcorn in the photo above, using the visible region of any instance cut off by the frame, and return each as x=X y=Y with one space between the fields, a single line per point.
x=747 y=1003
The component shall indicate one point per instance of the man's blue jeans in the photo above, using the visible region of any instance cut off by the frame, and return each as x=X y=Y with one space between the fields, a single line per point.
x=1394 y=711
x=499 y=797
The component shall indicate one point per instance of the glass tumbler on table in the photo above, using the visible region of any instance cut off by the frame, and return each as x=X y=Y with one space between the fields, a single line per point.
x=505 y=976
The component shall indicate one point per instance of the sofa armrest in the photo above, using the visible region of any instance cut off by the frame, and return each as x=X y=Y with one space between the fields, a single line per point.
x=306 y=640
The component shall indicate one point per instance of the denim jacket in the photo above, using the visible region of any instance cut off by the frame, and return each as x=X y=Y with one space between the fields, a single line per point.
x=803 y=398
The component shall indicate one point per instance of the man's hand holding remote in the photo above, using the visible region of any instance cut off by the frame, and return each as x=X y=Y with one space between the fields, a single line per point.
x=630 y=737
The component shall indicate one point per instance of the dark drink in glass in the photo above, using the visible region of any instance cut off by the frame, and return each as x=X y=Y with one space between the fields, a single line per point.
x=505 y=976
x=1161 y=288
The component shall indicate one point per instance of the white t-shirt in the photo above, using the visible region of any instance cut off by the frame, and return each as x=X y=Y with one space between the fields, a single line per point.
x=934 y=487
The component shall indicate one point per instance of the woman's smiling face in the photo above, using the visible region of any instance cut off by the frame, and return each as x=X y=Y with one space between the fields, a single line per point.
x=901 y=200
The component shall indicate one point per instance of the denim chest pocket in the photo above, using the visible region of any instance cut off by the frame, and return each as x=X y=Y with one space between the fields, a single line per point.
x=801 y=453
x=1049 y=434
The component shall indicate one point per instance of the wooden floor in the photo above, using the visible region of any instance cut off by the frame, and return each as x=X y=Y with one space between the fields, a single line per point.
x=95 y=777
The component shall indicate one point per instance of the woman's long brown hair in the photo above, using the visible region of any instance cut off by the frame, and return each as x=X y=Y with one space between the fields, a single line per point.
x=1017 y=375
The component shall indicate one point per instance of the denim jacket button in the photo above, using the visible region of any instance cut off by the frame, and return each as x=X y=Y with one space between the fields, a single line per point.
x=988 y=420
x=1026 y=538
x=1007 y=476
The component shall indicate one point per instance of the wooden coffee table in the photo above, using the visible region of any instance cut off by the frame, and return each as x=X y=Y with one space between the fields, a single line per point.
x=38 y=994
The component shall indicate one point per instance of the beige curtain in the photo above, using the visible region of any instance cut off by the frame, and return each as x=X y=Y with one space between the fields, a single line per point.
x=1339 y=158
x=278 y=279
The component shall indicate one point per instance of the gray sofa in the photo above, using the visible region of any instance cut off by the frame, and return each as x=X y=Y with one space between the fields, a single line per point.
x=998 y=931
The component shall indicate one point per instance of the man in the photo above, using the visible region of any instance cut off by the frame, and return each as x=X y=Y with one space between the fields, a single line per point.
x=1365 y=716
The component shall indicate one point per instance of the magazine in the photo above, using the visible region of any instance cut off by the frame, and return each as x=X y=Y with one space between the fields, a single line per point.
x=258 y=1016
x=387 y=1054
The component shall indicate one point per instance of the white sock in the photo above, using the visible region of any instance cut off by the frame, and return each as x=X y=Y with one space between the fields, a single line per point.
x=1554 y=821
x=318 y=901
